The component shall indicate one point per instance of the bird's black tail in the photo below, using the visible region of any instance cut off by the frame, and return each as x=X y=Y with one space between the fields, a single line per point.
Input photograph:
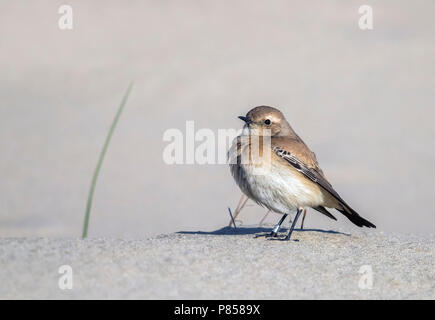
x=325 y=212
x=353 y=216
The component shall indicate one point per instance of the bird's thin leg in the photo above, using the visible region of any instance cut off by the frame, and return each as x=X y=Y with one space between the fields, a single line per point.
x=293 y=224
x=277 y=227
x=303 y=219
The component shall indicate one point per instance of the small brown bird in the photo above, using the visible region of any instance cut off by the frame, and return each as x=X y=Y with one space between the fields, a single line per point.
x=292 y=179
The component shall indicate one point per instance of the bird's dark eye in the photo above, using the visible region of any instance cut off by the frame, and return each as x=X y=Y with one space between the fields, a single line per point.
x=267 y=121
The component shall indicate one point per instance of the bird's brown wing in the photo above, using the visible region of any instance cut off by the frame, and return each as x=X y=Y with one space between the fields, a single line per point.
x=297 y=154
x=303 y=160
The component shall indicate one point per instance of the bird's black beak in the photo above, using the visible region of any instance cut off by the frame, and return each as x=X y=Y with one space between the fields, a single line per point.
x=246 y=119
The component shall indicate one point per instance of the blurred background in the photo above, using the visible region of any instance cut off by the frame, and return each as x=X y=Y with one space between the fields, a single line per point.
x=362 y=100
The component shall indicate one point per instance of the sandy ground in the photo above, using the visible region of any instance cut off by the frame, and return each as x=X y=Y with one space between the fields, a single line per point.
x=223 y=264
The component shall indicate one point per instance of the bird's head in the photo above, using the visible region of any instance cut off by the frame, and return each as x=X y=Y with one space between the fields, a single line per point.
x=265 y=121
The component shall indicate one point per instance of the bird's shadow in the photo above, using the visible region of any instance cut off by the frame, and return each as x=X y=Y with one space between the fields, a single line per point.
x=254 y=231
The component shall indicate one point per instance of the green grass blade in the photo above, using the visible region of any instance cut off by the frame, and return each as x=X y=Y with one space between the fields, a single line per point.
x=100 y=161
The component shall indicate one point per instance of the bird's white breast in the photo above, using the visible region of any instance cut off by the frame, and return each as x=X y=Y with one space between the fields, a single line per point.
x=277 y=186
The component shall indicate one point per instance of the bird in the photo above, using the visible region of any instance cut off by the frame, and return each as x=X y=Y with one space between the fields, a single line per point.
x=290 y=179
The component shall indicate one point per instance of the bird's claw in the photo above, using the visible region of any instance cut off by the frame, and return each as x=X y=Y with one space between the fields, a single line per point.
x=271 y=235
x=267 y=235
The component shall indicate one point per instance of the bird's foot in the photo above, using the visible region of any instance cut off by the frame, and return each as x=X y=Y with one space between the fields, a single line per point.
x=286 y=238
x=273 y=234
x=267 y=235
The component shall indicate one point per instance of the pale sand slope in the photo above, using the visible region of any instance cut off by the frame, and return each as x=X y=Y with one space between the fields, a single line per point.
x=221 y=265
